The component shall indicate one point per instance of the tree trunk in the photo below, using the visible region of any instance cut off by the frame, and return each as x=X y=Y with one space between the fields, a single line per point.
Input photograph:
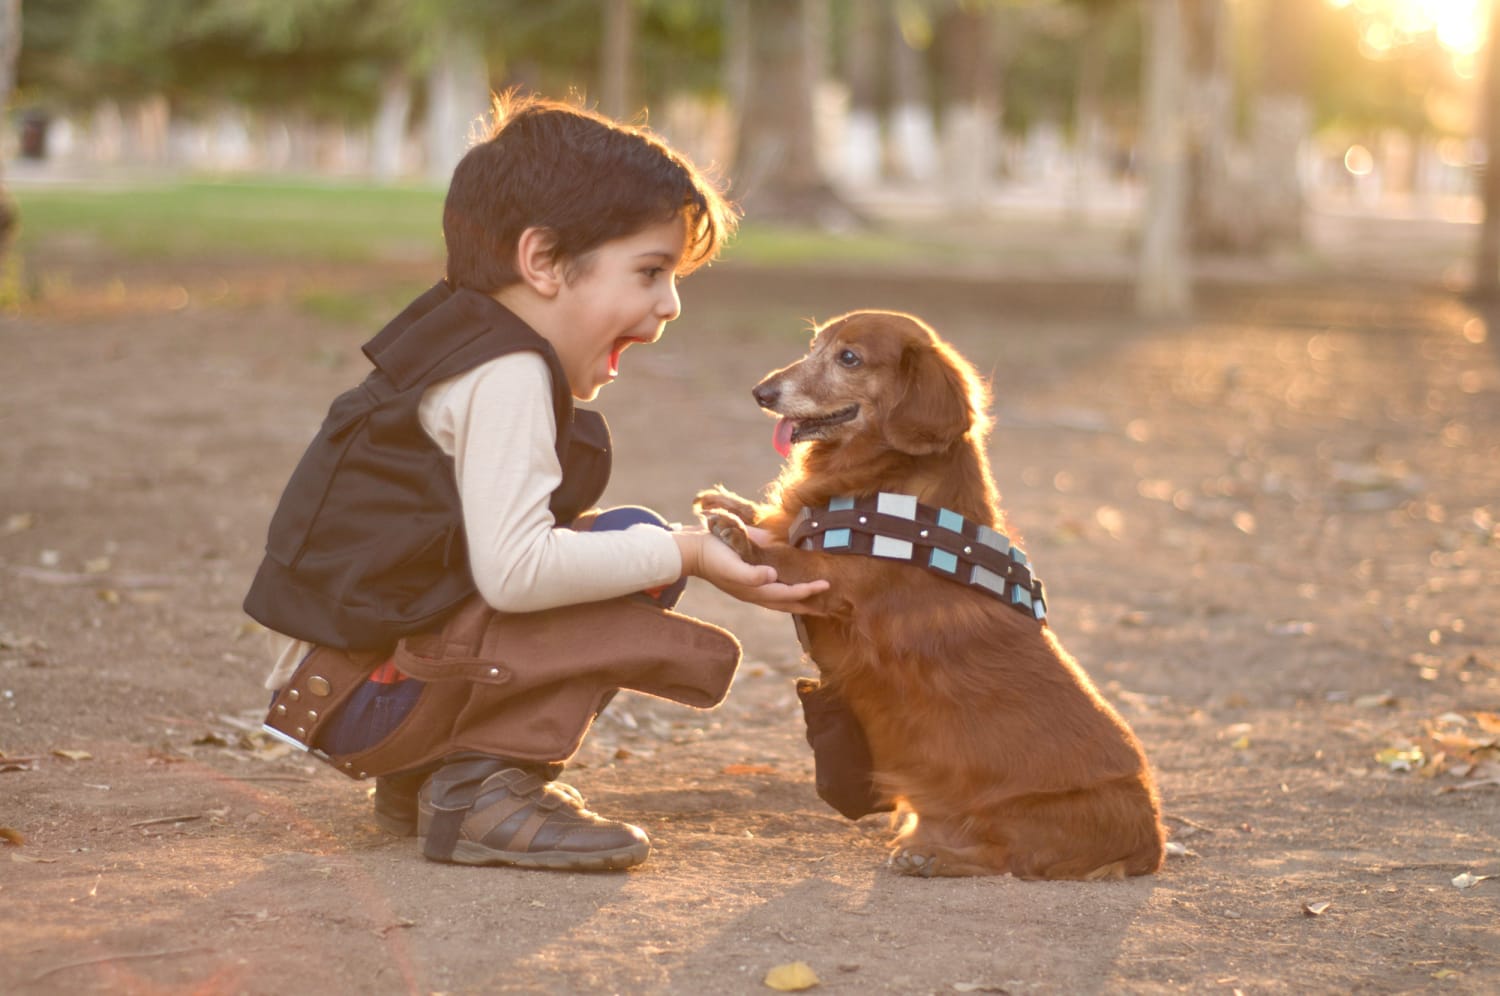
x=10 y=49
x=1219 y=215
x=914 y=136
x=1487 y=258
x=458 y=95
x=1164 y=286
x=1282 y=121
x=777 y=174
x=614 y=63
x=969 y=111
x=862 y=158
x=388 y=133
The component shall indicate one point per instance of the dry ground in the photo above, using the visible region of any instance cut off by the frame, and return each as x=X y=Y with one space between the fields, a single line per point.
x=1270 y=535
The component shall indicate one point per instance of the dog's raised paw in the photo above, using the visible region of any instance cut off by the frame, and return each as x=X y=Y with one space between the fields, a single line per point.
x=908 y=862
x=720 y=499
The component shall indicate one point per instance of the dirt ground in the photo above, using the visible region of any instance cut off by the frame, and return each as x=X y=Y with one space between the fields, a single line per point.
x=1270 y=534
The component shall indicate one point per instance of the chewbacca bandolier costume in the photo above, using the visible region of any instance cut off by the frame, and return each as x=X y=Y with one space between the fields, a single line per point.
x=367 y=559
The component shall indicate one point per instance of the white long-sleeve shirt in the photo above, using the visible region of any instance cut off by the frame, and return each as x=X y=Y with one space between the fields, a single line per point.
x=496 y=422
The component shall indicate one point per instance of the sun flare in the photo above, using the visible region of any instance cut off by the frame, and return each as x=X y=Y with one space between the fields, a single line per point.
x=1459 y=25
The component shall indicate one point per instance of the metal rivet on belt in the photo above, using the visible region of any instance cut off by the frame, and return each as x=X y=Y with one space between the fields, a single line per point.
x=293 y=695
x=348 y=765
x=281 y=710
x=301 y=731
x=968 y=549
x=361 y=774
x=494 y=672
x=923 y=534
x=319 y=685
x=312 y=715
x=863 y=520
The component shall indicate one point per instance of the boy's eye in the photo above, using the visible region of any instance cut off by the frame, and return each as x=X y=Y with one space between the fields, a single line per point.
x=848 y=358
x=654 y=271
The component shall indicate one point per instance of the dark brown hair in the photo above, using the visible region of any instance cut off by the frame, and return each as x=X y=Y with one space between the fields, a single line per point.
x=581 y=176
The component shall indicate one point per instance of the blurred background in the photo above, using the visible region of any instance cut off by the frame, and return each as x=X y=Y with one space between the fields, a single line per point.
x=1152 y=138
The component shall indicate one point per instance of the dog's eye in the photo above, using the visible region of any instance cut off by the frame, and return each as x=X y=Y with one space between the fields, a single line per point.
x=849 y=358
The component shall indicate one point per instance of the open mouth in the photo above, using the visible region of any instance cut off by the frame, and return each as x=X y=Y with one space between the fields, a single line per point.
x=797 y=430
x=614 y=354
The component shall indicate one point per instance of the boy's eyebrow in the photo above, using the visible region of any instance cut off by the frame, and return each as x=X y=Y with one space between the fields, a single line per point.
x=656 y=254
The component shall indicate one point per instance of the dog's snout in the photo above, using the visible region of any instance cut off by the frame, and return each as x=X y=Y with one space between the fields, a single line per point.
x=767 y=393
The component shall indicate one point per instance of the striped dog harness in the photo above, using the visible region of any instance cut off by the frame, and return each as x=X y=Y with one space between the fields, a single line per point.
x=898 y=527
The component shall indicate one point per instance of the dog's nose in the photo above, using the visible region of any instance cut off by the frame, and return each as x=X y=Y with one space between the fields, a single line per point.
x=766 y=394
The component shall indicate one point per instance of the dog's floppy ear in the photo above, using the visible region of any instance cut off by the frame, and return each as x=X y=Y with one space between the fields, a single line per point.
x=933 y=412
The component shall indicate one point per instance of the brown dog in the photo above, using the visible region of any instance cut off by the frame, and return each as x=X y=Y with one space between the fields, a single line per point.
x=993 y=742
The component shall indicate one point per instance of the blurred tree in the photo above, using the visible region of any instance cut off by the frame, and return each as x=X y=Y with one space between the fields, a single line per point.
x=969 y=93
x=1282 y=120
x=1164 y=287
x=615 y=57
x=777 y=173
x=10 y=45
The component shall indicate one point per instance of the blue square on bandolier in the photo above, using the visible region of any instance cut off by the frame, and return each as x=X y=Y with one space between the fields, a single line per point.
x=835 y=538
x=994 y=540
x=951 y=521
x=841 y=504
x=944 y=561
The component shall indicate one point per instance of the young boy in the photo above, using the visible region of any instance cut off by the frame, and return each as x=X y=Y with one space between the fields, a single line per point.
x=455 y=615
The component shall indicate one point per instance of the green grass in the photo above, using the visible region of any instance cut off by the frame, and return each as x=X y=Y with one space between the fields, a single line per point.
x=341 y=223
x=242 y=219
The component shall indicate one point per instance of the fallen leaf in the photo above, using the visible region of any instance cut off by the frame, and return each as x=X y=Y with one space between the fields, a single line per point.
x=1468 y=880
x=1401 y=758
x=1315 y=909
x=1375 y=701
x=979 y=987
x=1443 y=974
x=794 y=976
x=17 y=523
x=1489 y=722
x=749 y=769
x=1177 y=850
x=73 y=755
x=31 y=859
x=12 y=837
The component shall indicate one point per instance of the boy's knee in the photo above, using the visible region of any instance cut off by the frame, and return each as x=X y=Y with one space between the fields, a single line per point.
x=625 y=516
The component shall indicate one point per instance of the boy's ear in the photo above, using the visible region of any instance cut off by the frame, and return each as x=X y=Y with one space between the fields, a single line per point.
x=537 y=262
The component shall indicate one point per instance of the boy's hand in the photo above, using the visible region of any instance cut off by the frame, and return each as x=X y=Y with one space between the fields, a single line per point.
x=709 y=558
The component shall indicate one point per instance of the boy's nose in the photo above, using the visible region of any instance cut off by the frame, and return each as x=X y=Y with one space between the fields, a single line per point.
x=670 y=305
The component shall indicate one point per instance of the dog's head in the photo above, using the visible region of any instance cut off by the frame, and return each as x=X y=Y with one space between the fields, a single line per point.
x=880 y=377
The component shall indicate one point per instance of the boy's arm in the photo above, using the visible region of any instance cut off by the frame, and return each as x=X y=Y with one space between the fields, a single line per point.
x=497 y=423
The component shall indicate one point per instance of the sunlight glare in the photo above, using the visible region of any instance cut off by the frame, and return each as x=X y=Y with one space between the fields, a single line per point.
x=1459 y=25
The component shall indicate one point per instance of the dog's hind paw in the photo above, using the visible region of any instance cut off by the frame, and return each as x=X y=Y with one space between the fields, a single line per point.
x=908 y=862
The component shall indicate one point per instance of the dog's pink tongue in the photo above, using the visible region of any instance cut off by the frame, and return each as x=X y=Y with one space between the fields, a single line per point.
x=782 y=438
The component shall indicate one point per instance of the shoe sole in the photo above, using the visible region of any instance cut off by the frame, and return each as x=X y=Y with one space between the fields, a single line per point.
x=467 y=852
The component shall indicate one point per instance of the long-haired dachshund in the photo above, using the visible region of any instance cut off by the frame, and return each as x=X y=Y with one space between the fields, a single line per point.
x=998 y=750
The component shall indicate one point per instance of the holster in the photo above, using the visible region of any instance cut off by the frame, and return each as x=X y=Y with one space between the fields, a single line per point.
x=843 y=769
x=519 y=685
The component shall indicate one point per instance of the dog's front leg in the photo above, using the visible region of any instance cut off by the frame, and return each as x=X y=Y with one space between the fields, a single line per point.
x=794 y=566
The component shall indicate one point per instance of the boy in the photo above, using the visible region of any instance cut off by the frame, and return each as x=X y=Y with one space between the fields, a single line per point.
x=456 y=616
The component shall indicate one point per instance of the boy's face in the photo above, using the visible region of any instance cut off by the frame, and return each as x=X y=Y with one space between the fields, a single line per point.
x=621 y=293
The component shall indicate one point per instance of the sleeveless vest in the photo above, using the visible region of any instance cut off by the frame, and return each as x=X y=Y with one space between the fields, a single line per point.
x=367 y=544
